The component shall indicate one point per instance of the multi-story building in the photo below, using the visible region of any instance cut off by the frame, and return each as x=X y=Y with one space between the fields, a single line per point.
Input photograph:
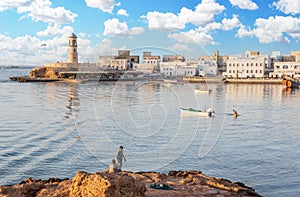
x=177 y=69
x=152 y=60
x=123 y=61
x=251 y=65
x=287 y=65
x=207 y=68
x=219 y=59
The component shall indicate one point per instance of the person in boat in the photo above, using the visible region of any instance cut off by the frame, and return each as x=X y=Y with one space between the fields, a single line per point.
x=112 y=167
x=235 y=114
x=119 y=159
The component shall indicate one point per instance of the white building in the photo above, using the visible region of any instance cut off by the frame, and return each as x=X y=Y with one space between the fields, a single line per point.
x=177 y=69
x=207 y=68
x=286 y=68
x=252 y=65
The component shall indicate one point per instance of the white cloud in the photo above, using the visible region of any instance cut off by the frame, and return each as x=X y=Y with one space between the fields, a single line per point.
x=104 y=5
x=39 y=10
x=244 y=4
x=122 y=12
x=197 y=36
x=8 y=4
x=117 y=28
x=229 y=24
x=106 y=48
x=164 y=21
x=288 y=6
x=56 y=30
x=180 y=48
x=28 y=50
x=203 y=14
x=273 y=29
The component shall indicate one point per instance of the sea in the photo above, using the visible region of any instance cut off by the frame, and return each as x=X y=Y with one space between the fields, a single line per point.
x=54 y=129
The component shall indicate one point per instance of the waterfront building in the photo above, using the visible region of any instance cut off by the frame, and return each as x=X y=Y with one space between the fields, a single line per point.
x=221 y=60
x=154 y=60
x=250 y=65
x=207 y=68
x=286 y=65
x=169 y=69
x=286 y=68
x=122 y=61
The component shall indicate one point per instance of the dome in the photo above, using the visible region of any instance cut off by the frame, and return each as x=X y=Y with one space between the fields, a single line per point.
x=73 y=35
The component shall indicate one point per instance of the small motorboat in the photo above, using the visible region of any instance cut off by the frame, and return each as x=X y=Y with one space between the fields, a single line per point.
x=203 y=91
x=190 y=112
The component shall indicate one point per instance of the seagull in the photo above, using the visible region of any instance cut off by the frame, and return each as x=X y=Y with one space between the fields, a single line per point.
x=43 y=45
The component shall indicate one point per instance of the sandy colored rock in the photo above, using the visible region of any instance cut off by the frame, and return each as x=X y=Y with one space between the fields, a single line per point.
x=127 y=184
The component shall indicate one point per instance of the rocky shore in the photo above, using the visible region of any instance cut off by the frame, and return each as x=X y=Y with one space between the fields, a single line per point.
x=148 y=184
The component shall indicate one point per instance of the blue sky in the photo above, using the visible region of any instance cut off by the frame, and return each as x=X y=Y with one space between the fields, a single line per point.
x=190 y=28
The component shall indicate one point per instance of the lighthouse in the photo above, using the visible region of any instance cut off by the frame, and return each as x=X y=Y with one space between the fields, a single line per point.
x=72 y=53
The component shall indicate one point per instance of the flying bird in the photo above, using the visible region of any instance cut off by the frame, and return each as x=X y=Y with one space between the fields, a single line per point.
x=43 y=45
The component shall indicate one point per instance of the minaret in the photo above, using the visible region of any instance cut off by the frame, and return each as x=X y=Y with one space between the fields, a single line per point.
x=72 y=54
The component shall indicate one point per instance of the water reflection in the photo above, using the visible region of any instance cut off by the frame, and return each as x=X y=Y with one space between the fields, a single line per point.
x=73 y=101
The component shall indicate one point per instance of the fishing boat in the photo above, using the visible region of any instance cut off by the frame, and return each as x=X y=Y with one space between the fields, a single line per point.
x=208 y=91
x=290 y=82
x=190 y=112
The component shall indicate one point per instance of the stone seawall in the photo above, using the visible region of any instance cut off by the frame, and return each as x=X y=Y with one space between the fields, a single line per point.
x=148 y=184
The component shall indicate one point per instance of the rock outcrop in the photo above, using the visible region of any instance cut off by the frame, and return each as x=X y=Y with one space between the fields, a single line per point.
x=148 y=184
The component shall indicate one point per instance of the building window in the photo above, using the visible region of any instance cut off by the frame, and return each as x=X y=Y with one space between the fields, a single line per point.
x=247 y=71
x=233 y=64
x=251 y=71
x=285 y=67
x=247 y=64
x=251 y=64
x=260 y=71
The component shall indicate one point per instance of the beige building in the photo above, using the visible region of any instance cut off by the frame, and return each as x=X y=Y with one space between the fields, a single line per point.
x=123 y=61
x=173 y=58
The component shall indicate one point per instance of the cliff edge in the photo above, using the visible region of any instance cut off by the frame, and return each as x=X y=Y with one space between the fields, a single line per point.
x=148 y=184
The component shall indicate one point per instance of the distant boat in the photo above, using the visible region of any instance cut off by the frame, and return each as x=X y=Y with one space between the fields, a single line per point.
x=290 y=82
x=190 y=112
x=203 y=91
x=170 y=81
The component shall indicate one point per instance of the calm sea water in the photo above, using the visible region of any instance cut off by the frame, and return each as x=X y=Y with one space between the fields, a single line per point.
x=55 y=129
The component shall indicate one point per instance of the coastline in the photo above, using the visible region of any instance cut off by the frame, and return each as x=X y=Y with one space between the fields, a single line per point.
x=23 y=79
x=148 y=184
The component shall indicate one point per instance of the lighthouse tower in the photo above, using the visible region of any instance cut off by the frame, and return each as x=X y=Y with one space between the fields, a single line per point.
x=72 y=53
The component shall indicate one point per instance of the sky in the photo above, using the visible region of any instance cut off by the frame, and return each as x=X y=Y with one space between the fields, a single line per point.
x=34 y=32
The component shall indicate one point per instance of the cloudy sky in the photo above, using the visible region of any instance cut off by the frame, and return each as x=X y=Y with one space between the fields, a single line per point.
x=188 y=27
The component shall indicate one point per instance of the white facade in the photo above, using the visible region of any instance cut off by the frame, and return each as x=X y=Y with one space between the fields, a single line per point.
x=286 y=68
x=177 y=69
x=207 y=68
x=249 y=66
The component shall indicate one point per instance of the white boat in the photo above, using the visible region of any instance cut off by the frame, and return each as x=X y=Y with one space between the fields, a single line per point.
x=203 y=91
x=170 y=81
x=190 y=112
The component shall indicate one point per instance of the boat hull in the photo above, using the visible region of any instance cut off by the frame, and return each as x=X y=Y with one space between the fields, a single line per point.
x=195 y=113
x=202 y=91
x=290 y=82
